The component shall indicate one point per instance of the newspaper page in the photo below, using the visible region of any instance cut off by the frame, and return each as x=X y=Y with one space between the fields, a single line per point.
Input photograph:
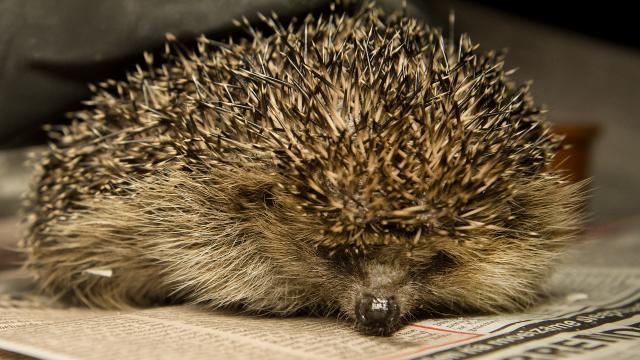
x=593 y=312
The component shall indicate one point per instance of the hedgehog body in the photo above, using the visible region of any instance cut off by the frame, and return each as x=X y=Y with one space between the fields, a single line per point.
x=352 y=164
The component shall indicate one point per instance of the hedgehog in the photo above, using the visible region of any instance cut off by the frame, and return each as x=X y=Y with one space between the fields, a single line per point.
x=351 y=164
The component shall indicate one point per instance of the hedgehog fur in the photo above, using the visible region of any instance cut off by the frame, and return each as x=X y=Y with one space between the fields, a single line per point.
x=351 y=164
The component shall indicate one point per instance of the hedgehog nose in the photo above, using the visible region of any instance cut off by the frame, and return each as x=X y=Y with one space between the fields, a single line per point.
x=377 y=312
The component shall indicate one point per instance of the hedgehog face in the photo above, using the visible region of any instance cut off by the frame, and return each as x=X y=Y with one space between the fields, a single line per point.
x=389 y=273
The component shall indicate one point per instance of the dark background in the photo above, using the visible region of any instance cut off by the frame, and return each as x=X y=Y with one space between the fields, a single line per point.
x=611 y=21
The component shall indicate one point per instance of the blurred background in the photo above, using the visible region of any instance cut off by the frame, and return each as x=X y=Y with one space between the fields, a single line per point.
x=585 y=63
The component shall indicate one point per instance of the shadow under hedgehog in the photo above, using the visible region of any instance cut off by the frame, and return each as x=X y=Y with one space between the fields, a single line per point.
x=352 y=164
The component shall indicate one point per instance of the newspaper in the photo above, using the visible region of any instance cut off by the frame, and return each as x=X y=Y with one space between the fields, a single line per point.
x=593 y=312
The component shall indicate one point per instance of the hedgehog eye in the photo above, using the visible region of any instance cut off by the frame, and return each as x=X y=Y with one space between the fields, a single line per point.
x=337 y=257
x=440 y=263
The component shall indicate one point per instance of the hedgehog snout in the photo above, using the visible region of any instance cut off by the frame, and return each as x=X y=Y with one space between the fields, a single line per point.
x=379 y=302
x=377 y=315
